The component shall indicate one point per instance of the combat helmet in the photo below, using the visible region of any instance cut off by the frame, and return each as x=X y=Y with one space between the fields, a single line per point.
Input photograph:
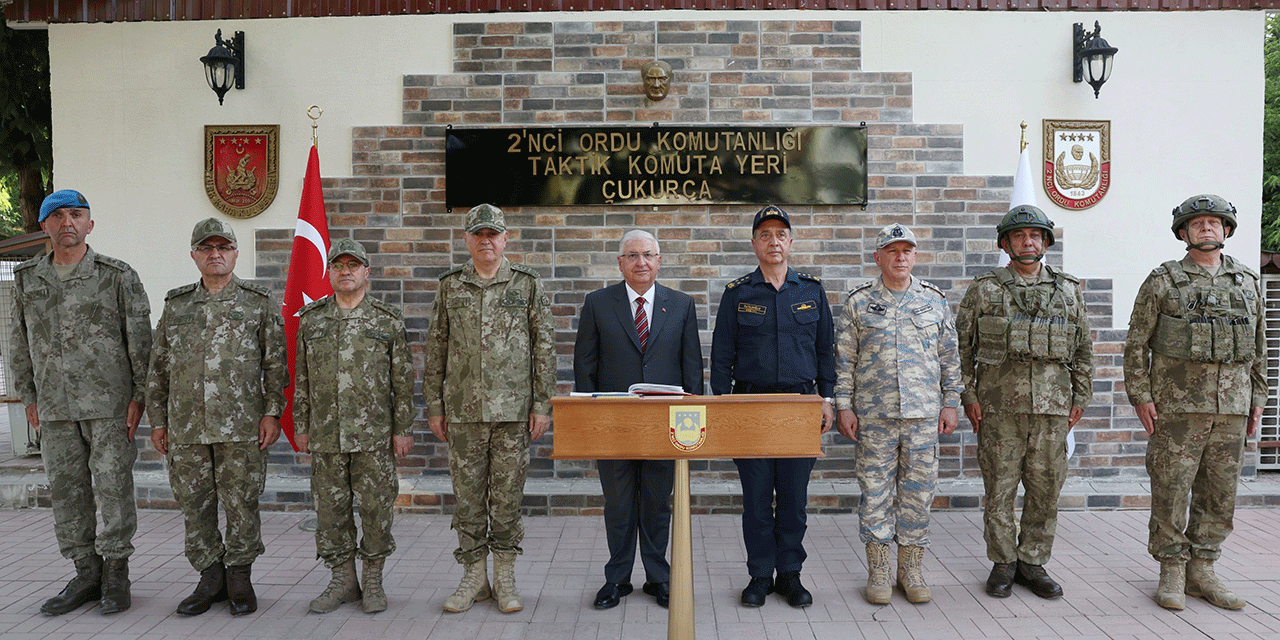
x=1025 y=216
x=1205 y=204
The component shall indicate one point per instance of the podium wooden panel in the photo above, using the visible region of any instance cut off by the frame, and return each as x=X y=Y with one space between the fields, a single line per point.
x=635 y=428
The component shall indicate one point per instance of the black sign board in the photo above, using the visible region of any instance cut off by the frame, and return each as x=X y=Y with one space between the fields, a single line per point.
x=657 y=165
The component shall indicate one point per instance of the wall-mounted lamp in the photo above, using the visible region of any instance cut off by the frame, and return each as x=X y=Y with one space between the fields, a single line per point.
x=1089 y=49
x=224 y=65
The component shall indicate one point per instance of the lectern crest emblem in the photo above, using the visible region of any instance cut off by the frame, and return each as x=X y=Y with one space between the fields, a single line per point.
x=1077 y=162
x=688 y=427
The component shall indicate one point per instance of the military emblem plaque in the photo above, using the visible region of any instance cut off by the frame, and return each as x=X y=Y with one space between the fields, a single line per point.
x=1077 y=162
x=241 y=167
x=688 y=427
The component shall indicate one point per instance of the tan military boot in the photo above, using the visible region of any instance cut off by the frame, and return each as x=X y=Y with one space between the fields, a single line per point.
x=375 y=599
x=878 y=586
x=1173 y=582
x=473 y=588
x=911 y=574
x=504 y=583
x=343 y=587
x=1202 y=582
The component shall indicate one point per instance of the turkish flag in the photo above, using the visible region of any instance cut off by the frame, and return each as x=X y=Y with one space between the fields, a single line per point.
x=308 y=264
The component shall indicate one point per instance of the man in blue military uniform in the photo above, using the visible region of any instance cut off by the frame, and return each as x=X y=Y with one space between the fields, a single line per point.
x=774 y=334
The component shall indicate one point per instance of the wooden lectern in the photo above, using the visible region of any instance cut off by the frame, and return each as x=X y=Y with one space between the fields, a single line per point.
x=681 y=428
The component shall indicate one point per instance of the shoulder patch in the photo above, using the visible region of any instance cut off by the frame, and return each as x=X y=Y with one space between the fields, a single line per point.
x=255 y=287
x=742 y=280
x=385 y=307
x=523 y=269
x=184 y=289
x=457 y=269
x=929 y=285
x=114 y=263
x=806 y=276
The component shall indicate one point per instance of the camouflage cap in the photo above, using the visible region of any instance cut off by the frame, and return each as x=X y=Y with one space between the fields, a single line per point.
x=486 y=216
x=348 y=247
x=210 y=228
x=771 y=212
x=894 y=233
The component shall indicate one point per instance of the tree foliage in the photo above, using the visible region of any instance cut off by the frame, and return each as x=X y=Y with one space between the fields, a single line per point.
x=1271 y=139
x=26 y=114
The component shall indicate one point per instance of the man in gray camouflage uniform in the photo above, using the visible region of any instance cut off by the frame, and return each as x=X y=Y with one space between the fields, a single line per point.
x=81 y=337
x=353 y=410
x=1195 y=372
x=489 y=376
x=1027 y=361
x=897 y=386
x=215 y=392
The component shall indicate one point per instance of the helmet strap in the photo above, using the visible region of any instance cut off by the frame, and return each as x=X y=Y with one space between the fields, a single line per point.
x=1206 y=247
x=1027 y=259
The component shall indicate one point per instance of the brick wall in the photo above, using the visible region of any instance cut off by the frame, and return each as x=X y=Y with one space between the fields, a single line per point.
x=788 y=72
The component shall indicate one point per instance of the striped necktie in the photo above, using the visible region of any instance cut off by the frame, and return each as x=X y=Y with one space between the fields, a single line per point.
x=642 y=323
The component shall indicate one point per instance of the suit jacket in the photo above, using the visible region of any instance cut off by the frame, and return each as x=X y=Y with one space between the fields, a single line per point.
x=607 y=356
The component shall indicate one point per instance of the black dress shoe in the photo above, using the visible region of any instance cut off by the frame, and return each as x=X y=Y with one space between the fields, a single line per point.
x=659 y=590
x=1000 y=582
x=611 y=593
x=1035 y=578
x=756 y=591
x=788 y=585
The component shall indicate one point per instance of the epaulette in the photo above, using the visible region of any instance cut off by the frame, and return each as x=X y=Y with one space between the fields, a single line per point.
x=742 y=280
x=313 y=304
x=1058 y=274
x=387 y=308
x=806 y=276
x=1159 y=271
x=114 y=263
x=452 y=271
x=256 y=288
x=523 y=269
x=1244 y=267
x=28 y=264
x=861 y=287
x=929 y=285
x=990 y=275
x=177 y=291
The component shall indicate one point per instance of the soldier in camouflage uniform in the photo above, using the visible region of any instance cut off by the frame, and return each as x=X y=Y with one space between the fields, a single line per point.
x=489 y=376
x=215 y=392
x=81 y=337
x=353 y=379
x=1195 y=372
x=1027 y=361
x=897 y=386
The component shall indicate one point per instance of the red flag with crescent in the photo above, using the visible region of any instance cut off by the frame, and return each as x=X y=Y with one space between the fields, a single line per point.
x=308 y=264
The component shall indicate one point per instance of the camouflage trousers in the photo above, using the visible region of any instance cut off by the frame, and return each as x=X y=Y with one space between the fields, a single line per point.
x=1031 y=449
x=488 y=462
x=90 y=465
x=1194 y=461
x=338 y=481
x=203 y=476
x=897 y=469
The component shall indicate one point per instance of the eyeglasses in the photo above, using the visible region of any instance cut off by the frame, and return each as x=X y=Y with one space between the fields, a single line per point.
x=210 y=248
x=346 y=266
x=632 y=257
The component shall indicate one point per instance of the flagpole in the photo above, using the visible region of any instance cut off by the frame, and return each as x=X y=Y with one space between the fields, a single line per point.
x=315 y=138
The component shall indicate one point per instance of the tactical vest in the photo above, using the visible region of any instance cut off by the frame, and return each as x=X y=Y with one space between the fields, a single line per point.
x=1211 y=323
x=1031 y=325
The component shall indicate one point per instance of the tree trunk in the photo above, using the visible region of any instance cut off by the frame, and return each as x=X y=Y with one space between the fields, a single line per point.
x=31 y=192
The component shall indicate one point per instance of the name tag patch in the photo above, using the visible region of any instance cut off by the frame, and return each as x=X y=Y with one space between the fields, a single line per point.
x=758 y=309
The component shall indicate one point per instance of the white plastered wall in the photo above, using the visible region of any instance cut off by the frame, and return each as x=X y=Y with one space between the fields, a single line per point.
x=1185 y=105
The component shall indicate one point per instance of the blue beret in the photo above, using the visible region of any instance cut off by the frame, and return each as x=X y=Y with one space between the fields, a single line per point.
x=59 y=199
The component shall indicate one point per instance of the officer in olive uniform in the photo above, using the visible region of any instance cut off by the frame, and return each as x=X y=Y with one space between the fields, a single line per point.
x=774 y=334
x=78 y=353
x=215 y=392
x=1027 y=361
x=1195 y=372
x=489 y=376
x=353 y=411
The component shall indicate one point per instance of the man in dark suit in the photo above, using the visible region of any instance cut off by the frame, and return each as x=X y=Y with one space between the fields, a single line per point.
x=637 y=331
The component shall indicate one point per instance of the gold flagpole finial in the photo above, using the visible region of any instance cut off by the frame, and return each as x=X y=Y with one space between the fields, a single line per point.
x=1023 y=146
x=315 y=140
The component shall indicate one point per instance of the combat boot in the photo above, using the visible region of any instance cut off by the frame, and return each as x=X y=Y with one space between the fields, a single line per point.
x=473 y=588
x=504 y=583
x=911 y=574
x=212 y=588
x=375 y=599
x=115 y=586
x=240 y=590
x=878 y=586
x=85 y=586
x=343 y=587
x=1173 y=584
x=1202 y=582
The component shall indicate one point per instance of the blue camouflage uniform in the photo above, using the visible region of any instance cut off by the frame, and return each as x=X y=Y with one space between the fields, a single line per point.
x=774 y=341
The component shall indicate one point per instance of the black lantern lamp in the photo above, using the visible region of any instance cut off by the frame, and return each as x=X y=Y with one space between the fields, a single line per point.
x=224 y=65
x=1089 y=49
